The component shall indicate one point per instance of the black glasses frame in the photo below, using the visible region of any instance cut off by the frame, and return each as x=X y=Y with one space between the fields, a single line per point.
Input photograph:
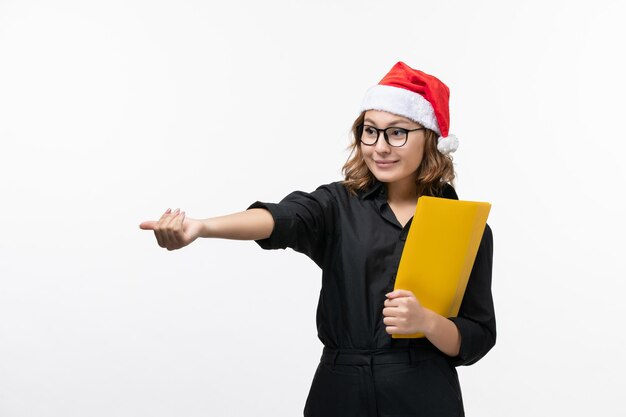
x=362 y=127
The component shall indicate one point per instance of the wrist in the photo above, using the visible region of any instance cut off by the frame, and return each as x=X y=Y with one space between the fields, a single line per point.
x=206 y=228
x=432 y=322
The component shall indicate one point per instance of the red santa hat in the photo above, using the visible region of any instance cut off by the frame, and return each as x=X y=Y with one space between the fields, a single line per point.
x=417 y=96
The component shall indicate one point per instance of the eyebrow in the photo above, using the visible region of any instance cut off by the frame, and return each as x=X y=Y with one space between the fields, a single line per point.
x=391 y=123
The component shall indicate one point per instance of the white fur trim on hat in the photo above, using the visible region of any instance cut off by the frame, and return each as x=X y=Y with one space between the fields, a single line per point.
x=401 y=102
x=448 y=144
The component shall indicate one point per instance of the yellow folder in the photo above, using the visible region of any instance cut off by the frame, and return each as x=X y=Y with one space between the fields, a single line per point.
x=439 y=253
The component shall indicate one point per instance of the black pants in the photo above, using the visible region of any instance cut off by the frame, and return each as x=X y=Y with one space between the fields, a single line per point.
x=384 y=383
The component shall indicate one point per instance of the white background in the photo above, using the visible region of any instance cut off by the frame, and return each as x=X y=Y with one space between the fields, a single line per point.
x=110 y=112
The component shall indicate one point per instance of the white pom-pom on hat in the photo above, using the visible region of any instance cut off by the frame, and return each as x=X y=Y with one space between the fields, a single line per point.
x=448 y=144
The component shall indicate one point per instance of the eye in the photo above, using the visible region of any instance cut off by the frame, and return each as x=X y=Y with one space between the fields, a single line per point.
x=396 y=132
x=369 y=131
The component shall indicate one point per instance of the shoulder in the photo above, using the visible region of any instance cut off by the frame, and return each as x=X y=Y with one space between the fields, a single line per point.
x=325 y=195
x=448 y=191
x=339 y=195
x=336 y=189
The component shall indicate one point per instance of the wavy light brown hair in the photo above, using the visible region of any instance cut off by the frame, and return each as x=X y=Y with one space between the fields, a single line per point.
x=434 y=172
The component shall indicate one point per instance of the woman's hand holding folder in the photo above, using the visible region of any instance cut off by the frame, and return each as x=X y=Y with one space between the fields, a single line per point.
x=403 y=314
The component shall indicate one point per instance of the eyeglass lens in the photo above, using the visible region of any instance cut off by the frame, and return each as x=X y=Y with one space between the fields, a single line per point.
x=395 y=136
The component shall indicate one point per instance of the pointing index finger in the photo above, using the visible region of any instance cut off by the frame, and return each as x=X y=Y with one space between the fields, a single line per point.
x=149 y=225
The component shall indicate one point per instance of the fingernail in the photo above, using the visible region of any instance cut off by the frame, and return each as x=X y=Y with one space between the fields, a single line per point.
x=177 y=211
x=169 y=210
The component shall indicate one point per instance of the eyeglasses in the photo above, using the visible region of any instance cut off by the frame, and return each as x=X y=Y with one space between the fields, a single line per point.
x=394 y=136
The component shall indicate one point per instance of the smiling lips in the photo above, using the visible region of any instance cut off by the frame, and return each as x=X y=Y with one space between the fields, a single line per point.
x=384 y=164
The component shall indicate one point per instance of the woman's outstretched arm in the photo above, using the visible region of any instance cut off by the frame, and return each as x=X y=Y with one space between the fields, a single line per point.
x=174 y=230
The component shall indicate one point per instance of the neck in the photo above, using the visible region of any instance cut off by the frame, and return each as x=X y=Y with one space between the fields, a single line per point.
x=402 y=191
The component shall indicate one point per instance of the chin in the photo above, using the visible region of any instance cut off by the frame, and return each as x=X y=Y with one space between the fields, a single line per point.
x=390 y=177
x=385 y=177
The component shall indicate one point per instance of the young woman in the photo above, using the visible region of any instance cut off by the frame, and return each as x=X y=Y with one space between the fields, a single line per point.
x=355 y=231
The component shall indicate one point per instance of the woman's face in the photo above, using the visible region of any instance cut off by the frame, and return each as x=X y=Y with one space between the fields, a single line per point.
x=391 y=164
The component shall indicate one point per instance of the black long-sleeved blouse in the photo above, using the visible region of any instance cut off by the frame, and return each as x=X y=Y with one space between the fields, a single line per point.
x=357 y=242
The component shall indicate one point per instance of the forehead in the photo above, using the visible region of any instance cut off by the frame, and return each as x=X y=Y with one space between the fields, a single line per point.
x=383 y=118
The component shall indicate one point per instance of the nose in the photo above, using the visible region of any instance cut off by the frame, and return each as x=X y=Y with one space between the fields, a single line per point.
x=381 y=144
